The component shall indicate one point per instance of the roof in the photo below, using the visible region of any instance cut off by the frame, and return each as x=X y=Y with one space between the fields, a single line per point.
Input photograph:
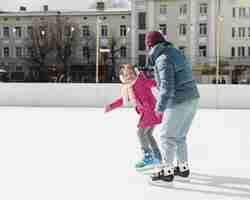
x=115 y=11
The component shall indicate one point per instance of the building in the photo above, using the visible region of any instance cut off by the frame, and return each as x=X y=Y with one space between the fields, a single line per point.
x=235 y=39
x=113 y=25
x=202 y=30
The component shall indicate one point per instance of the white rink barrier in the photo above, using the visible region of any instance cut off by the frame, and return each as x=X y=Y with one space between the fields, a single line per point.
x=98 y=95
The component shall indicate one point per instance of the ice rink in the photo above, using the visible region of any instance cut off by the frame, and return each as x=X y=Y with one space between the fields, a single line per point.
x=84 y=154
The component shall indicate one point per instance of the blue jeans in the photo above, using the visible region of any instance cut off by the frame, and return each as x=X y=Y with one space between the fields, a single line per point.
x=173 y=131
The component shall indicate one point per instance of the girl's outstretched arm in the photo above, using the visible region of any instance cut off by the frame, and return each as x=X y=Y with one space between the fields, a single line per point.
x=115 y=104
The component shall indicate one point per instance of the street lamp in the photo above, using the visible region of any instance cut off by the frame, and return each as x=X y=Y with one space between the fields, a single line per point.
x=218 y=49
x=97 y=49
x=219 y=20
x=43 y=33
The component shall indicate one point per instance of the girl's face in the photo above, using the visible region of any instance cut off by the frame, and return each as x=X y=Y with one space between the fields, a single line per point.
x=129 y=75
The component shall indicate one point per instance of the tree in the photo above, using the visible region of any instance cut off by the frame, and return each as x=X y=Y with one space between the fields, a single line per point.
x=88 y=45
x=66 y=37
x=115 y=45
x=39 y=45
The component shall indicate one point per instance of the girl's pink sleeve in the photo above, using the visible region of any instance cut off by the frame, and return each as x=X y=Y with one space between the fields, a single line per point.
x=115 y=104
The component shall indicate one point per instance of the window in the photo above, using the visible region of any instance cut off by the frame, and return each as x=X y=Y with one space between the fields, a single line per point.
x=241 y=51
x=19 y=68
x=123 y=52
x=142 y=60
x=85 y=52
x=30 y=31
x=203 y=29
x=233 y=32
x=242 y=12
x=183 y=10
x=68 y=31
x=183 y=49
x=18 y=31
x=85 y=31
x=17 y=76
x=163 y=9
x=142 y=42
x=234 y=12
x=249 y=32
x=232 y=51
x=6 y=51
x=123 y=30
x=203 y=51
x=242 y=31
x=6 y=31
x=183 y=29
x=123 y=17
x=104 y=30
x=18 y=52
x=142 y=20
x=203 y=9
x=29 y=51
x=248 y=51
x=163 y=28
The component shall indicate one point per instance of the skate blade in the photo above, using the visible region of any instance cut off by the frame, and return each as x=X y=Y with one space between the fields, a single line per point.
x=151 y=171
x=161 y=183
x=153 y=168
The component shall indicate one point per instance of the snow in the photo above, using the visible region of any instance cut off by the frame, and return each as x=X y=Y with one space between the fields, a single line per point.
x=82 y=153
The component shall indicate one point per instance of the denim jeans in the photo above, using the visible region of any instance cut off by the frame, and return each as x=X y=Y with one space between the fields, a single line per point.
x=173 y=131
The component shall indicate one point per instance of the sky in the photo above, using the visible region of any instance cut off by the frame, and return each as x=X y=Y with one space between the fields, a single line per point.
x=13 y=5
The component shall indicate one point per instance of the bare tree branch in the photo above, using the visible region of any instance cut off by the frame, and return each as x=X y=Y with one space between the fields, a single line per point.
x=66 y=39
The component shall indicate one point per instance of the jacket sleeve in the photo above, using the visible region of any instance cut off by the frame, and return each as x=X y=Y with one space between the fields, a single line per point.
x=115 y=104
x=166 y=88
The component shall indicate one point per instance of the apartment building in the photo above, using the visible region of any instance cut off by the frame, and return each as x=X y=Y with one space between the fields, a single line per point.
x=113 y=24
x=199 y=28
x=188 y=24
x=235 y=39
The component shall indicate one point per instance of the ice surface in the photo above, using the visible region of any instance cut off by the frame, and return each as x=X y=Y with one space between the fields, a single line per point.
x=84 y=154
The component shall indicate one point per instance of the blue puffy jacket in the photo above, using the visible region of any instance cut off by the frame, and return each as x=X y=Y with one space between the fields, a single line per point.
x=173 y=74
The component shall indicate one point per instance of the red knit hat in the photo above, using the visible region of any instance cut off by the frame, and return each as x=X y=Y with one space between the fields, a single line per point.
x=153 y=38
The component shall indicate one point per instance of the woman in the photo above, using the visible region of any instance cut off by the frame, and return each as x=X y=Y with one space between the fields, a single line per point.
x=178 y=97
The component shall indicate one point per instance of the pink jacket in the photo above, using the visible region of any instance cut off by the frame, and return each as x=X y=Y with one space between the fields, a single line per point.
x=145 y=102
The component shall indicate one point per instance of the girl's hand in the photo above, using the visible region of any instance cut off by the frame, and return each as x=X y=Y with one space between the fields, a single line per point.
x=107 y=109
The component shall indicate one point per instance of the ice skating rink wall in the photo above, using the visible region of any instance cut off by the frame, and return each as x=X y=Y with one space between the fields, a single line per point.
x=98 y=95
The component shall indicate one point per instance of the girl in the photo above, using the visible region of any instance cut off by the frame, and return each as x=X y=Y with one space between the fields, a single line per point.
x=136 y=88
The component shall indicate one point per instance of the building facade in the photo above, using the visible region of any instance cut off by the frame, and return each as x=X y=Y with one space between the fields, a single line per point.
x=235 y=39
x=114 y=31
x=202 y=29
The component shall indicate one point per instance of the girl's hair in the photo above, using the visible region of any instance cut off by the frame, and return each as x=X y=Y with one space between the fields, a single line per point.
x=125 y=67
